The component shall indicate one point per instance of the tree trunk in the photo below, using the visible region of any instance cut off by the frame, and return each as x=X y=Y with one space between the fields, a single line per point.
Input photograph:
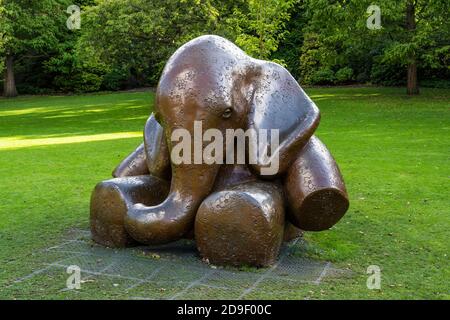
x=10 y=83
x=412 y=84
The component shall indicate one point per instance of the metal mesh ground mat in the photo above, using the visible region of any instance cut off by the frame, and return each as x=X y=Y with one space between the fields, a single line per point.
x=173 y=271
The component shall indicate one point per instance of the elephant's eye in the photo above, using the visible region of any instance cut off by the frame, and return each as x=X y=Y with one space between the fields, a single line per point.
x=227 y=113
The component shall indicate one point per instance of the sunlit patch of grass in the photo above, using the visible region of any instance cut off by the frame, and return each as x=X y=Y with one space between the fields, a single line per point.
x=20 y=112
x=19 y=142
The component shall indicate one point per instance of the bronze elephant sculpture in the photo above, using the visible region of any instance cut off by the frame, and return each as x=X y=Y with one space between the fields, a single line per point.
x=236 y=214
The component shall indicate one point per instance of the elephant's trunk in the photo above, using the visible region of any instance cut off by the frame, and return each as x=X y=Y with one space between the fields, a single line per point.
x=175 y=216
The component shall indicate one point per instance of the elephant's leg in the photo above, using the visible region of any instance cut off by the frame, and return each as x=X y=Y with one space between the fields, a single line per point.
x=231 y=175
x=111 y=200
x=241 y=225
x=315 y=190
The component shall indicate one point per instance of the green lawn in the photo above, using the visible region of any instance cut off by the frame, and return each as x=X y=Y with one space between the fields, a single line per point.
x=393 y=151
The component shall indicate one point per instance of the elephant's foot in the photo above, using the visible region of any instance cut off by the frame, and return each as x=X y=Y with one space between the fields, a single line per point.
x=315 y=189
x=111 y=200
x=241 y=225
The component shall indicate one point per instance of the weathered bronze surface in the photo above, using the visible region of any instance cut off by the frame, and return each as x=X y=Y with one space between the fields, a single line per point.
x=156 y=152
x=133 y=165
x=315 y=189
x=241 y=225
x=238 y=213
x=111 y=200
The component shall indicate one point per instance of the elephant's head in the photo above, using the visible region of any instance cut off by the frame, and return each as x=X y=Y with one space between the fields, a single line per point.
x=211 y=81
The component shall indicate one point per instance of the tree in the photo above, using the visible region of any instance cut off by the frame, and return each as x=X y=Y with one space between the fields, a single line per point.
x=414 y=34
x=261 y=25
x=70 y=73
x=422 y=39
x=412 y=85
x=28 y=29
x=126 y=43
x=139 y=36
x=290 y=47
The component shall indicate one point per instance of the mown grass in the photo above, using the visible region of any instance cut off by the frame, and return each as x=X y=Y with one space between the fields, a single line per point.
x=393 y=151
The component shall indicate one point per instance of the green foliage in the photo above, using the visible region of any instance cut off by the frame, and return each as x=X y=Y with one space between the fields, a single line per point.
x=260 y=26
x=72 y=74
x=290 y=48
x=323 y=76
x=28 y=30
x=31 y=27
x=139 y=36
x=126 y=43
x=35 y=34
x=342 y=40
x=436 y=83
x=344 y=75
x=114 y=80
x=386 y=74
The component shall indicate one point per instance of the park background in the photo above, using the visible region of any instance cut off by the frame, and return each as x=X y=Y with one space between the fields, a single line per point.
x=48 y=47
x=383 y=94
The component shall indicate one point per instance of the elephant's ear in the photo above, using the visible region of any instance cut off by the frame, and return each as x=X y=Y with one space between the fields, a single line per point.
x=156 y=150
x=280 y=104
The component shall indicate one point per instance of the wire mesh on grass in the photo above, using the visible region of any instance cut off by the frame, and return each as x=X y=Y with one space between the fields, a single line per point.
x=172 y=271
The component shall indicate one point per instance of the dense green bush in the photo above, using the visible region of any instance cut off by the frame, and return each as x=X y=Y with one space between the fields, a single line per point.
x=387 y=74
x=323 y=76
x=25 y=88
x=289 y=49
x=344 y=75
x=436 y=83
x=114 y=80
